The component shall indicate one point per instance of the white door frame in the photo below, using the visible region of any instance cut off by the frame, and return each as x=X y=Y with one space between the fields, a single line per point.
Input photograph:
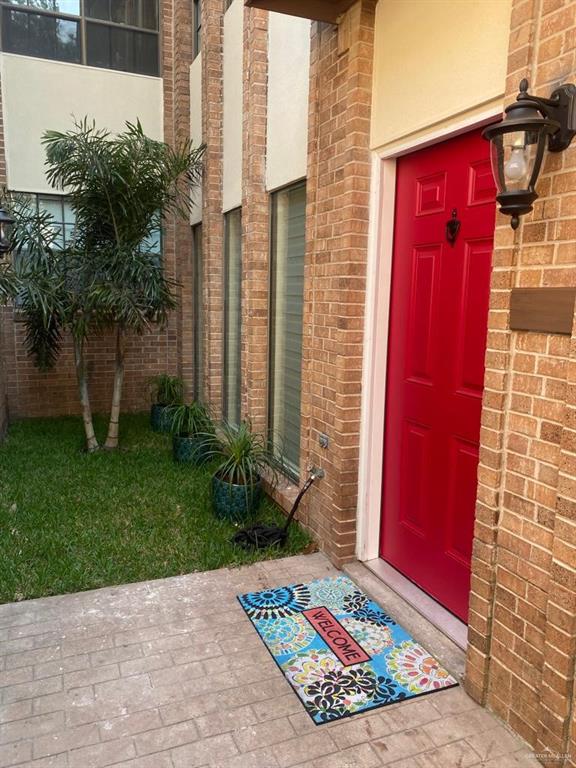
x=374 y=366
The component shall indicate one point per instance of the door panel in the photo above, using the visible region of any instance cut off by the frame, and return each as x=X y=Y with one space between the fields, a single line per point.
x=438 y=323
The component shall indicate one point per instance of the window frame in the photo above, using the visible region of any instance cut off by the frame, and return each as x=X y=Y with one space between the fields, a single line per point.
x=292 y=471
x=83 y=20
x=61 y=199
x=236 y=417
x=198 y=312
x=6 y=5
x=196 y=28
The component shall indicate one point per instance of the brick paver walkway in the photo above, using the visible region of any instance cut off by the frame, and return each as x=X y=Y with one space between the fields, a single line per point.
x=170 y=674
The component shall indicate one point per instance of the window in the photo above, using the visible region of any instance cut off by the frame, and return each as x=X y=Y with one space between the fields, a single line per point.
x=62 y=223
x=198 y=312
x=134 y=13
x=197 y=28
x=43 y=35
x=286 y=307
x=232 y=314
x=113 y=34
x=64 y=218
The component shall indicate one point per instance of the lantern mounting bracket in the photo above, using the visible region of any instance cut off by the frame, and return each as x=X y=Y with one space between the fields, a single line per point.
x=560 y=107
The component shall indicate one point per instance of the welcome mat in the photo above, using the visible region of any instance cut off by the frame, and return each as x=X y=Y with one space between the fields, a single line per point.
x=339 y=650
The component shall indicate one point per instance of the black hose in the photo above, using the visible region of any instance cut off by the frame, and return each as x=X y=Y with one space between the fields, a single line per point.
x=261 y=536
x=311 y=478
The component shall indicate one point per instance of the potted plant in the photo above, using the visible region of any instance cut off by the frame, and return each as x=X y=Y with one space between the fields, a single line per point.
x=191 y=427
x=244 y=459
x=167 y=391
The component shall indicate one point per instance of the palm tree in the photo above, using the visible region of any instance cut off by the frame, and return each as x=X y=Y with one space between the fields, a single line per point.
x=121 y=188
x=50 y=289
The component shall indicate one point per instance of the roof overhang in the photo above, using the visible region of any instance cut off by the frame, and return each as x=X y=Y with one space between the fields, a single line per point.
x=317 y=10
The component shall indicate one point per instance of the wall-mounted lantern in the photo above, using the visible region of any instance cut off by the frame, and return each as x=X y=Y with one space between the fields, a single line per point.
x=6 y=224
x=518 y=143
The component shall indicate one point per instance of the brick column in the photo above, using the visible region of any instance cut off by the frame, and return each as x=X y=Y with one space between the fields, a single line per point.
x=212 y=218
x=559 y=652
x=177 y=245
x=522 y=633
x=492 y=481
x=255 y=219
x=572 y=742
x=335 y=272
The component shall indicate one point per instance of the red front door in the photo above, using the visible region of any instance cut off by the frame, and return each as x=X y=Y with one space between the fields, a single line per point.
x=438 y=323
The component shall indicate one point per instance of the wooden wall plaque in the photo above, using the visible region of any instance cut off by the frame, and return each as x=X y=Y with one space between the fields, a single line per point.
x=546 y=310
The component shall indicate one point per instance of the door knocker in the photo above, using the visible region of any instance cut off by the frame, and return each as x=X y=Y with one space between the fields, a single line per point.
x=452 y=227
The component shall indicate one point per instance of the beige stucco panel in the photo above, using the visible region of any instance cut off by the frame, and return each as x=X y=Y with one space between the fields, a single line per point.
x=232 y=107
x=288 y=79
x=196 y=129
x=435 y=60
x=39 y=95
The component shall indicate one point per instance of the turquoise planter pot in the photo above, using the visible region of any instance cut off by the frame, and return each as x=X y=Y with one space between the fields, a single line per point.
x=158 y=418
x=234 y=502
x=188 y=450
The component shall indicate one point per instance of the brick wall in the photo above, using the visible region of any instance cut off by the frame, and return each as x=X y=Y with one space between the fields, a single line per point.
x=522 y=621
x=335 y=272
x=33 y=393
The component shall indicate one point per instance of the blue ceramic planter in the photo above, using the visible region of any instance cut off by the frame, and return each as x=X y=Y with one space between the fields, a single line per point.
x=159 y=418
x=189 y=450
x=235 y=503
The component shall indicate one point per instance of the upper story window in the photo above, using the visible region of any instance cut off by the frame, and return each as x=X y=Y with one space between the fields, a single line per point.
x=196 y=27
x=113 y=34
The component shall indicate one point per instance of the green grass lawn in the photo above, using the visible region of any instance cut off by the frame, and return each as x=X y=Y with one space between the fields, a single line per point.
x=70 y=521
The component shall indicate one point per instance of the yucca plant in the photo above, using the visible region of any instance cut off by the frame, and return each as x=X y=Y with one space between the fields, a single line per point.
x=189 y=420
x=245 y=458
x=193 y=432
x=166 y=391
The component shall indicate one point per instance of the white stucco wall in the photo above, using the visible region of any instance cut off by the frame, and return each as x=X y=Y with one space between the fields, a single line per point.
x=39 y=95
x=196 y=129
x=435 y=60
x=288 y=74
x=232 y=108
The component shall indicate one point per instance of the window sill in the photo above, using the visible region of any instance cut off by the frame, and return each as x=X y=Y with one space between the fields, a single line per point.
x=284 y=493
x=82 y=67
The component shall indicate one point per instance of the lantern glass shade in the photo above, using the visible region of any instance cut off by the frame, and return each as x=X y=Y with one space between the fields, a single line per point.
x=516 y=158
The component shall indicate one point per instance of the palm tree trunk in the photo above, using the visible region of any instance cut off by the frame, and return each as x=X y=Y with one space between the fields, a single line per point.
x=112 y=438
x=91 y=441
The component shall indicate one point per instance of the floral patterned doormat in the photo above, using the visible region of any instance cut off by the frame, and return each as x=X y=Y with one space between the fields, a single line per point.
x=339 y=650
